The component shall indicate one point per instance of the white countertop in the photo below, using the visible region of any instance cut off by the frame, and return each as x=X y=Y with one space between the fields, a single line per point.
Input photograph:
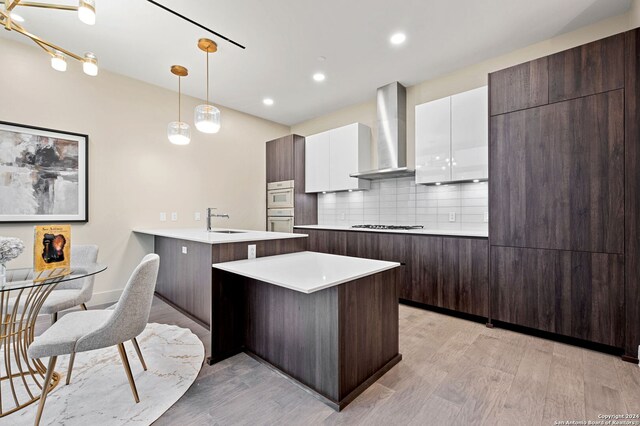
x=306 y=271
x=204 y=236
x=442 y=232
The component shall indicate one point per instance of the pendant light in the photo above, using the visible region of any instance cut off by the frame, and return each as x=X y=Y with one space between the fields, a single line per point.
x=179 y=132
x=206 y=116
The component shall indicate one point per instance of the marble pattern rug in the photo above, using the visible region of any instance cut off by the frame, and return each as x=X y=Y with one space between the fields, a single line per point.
x=99 y=392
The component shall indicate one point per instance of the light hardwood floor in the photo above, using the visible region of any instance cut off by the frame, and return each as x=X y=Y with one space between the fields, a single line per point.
x=453 y=372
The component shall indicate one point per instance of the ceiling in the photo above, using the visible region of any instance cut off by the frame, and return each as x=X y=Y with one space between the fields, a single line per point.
x=284 y=39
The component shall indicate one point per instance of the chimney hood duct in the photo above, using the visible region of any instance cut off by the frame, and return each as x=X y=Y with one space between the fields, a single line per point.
x=392 y=134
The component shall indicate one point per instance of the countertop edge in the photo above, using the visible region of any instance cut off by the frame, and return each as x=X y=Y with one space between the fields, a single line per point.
x=169 y=234
x=392 y=231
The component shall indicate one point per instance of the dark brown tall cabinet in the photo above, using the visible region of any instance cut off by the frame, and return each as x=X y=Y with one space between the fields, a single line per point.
x=564 y=195
x=285 y=161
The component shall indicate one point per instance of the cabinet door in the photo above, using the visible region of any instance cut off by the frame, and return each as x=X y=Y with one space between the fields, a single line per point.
x=519 y=87
x=280 y=161
x=433 y=141
x=588 y=69
x=332 y=242
x=557 y=176
x=317 y=149
x=470 y=135
x=464 y=285
x=396 y=248
x=426 y=261
x=344 y=156
x=576 y=294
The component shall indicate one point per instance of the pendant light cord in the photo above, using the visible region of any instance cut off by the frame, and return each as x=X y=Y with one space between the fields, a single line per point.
x=207 y=77
x=179 y=97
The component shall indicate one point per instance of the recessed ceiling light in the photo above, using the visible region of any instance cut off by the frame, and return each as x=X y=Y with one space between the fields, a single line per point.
x=319 y=76
x=398 y=38
x=267 y=101
x=16 y=17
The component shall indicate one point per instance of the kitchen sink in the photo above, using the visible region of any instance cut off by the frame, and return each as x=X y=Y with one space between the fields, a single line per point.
x=228 y=231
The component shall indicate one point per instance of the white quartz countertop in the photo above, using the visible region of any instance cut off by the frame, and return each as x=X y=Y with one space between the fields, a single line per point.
x=451 y=233
x=306 y=271
x=204 y=236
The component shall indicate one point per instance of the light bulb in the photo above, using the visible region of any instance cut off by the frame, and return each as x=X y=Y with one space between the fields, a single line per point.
x=319 y=76
x=16 y=17
x=207 y=118
x=179 y=133
x=398 y=38
x=87 y=11
x=59 y=62
x=90 y=64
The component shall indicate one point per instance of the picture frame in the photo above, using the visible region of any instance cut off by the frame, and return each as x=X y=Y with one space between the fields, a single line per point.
x=44 y=175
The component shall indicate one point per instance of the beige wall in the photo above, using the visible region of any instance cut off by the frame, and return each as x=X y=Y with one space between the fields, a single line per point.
x=466 y=79
x=134 y=172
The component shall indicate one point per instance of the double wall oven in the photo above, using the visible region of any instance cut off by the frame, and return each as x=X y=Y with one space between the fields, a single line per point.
x=280 y=198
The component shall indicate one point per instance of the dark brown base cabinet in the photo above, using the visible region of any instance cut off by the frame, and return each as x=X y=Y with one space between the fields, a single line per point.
x=564 y=167
x=446 y=272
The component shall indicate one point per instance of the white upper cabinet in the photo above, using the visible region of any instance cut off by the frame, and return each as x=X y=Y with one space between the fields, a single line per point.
x=452 y=138
x=330 y=157
x=433 y=141
x=315 y=162
x=470 y=135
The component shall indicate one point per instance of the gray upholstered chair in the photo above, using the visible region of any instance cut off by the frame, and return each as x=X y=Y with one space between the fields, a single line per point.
x=72 y=293
x=95 y=329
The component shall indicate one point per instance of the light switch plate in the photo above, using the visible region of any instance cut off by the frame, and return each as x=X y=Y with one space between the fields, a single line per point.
x=184 y=250
x=163 y=217
x=174 y=216
x=452 y=216
x=196 y=215
x=251 y=251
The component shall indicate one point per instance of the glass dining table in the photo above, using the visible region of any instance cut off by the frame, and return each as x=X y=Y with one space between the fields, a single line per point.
x=22 y=294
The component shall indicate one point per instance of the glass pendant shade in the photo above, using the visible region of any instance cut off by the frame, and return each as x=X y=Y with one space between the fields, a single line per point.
x=59 y=62
x=179 y=133
x=87 y=11
x=90 y=64
x=207 y=118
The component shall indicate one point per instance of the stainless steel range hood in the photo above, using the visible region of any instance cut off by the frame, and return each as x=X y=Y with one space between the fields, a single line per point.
x=392 y=135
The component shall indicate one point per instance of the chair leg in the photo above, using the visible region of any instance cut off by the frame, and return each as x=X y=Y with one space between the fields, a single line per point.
x=127 y=369
x=54 y=318
x=71 y=359
x=83 y=306
x=45 y=388
x=139 y=352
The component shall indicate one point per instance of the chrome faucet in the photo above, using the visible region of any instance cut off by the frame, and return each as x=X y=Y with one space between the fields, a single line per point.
x=210 y=214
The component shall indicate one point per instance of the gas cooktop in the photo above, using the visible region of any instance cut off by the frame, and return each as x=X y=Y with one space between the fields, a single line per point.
x=401 y=227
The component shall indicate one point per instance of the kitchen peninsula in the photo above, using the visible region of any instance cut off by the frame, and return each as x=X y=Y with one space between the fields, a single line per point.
x=187 y=282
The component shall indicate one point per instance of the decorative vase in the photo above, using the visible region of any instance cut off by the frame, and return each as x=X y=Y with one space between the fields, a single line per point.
x=10 y=248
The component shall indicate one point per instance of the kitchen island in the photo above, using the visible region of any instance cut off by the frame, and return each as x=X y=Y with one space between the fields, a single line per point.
x=329 y=323
x=187 y=282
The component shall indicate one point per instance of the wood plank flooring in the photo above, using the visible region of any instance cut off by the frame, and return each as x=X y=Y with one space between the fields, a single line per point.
x=453 y=372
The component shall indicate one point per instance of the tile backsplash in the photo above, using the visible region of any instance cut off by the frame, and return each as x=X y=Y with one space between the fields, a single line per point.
x=401 y=202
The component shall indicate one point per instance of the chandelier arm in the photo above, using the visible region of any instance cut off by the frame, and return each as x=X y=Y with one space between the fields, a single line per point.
x=9 y=6
x=38 y=40
x=47 y=5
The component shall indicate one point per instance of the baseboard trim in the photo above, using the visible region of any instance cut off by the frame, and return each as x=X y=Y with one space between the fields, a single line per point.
x=105 y=297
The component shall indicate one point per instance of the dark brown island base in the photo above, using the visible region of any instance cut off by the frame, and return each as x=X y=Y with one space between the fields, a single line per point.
x=329 y=323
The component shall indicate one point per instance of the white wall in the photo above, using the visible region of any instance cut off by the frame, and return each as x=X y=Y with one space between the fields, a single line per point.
x=134 y=172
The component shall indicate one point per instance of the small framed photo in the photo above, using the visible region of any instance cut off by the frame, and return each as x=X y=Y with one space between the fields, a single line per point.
x=43 y=175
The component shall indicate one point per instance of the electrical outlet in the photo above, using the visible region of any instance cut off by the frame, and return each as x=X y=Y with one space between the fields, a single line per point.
x=486 y=216
x=184 y=250
x=163 y=217
x=251 y=251
x=196 y=215
x=174 y=216
x=452 y=216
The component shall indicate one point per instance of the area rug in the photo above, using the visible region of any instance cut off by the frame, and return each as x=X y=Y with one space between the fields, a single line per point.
x=99 y=393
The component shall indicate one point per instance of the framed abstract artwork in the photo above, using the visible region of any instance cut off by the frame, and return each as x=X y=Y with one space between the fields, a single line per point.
x=43 y=175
